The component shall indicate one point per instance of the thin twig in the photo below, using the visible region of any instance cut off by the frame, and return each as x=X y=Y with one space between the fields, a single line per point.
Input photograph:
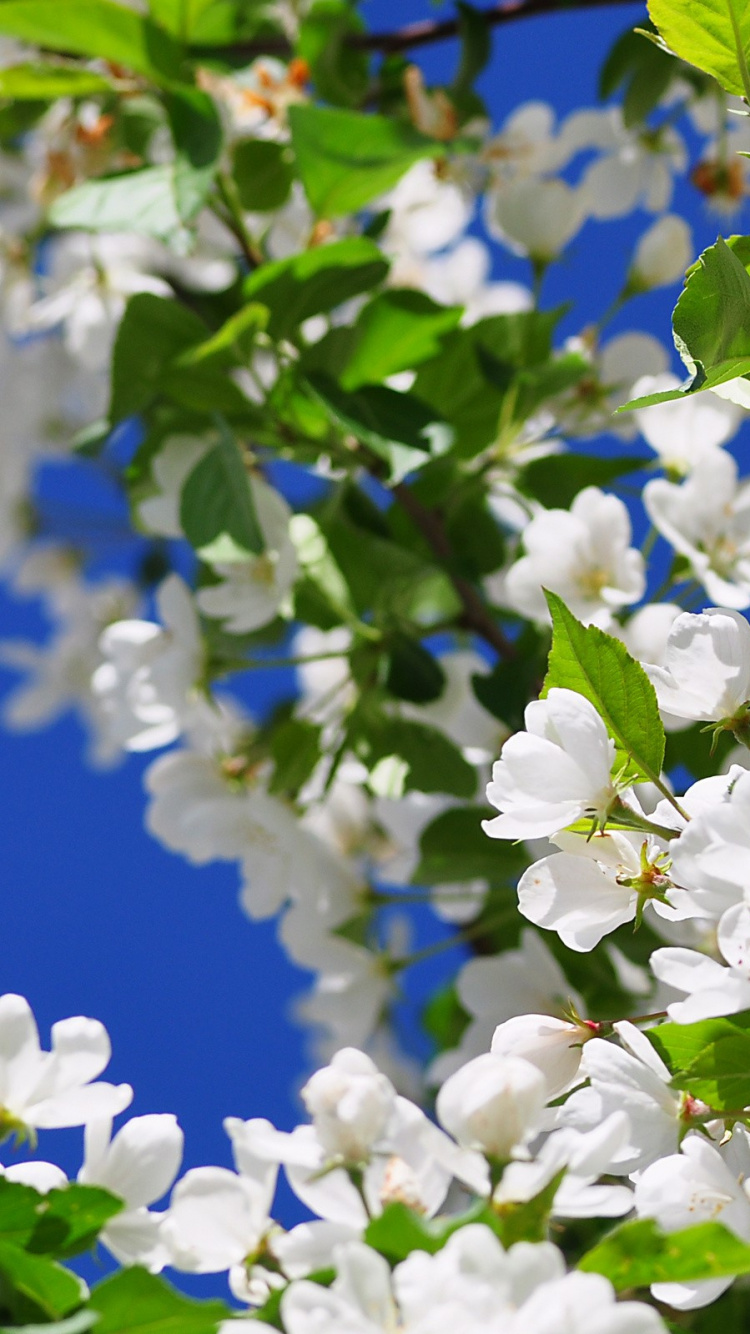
x=424 y=33
x=475 y=615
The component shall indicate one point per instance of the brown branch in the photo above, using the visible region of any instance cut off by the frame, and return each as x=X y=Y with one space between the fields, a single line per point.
x=475 y=614
x=425 y=33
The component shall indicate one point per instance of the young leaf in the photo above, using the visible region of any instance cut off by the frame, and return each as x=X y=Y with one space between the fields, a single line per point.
x=713 y=35
x=345 y=158
x=598 y=666
x=139 y=201
x=135 y=1302
x=638 y=1254
x=71 y=1219
x=217 y=503
x=97 y=28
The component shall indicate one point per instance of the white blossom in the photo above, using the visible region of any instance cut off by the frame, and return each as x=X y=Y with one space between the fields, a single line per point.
x=139 y=1166
x=662 y=255
x=705 y=674
x=493 y=1103
x=251 y=590
x=686 y=430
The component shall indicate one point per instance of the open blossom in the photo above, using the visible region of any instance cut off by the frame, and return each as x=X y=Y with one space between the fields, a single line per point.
x=251 y=589
x=554 y=773
x=685 y=430
x=139 y=1166
x=631 y=1078
x=705 y=674
x=710 y=988
x=44 y=1090
x=584 y=555
x=146 y=684
x=160 y=513
x=707 y=519
x=472 y=1284
x=595 y=885
x=700 y=1184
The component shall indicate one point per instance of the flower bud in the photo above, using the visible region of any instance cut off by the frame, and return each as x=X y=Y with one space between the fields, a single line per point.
x=662 y=254
x=493 y=1103
x=554 y=1046
x=350 y=1103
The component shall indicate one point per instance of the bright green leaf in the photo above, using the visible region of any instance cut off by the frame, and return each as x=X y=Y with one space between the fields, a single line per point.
x=153 y=332
x=714 y=35
x=395 y=331
x=679 y=1045
x=638 y=1254
x=75 y=1324
x=32 y=83
x=396 y=426
x=346 y=158
x=134 y=1302
x=96 y=28
x=70 y=1219
x=598 y=666
x=339 y=71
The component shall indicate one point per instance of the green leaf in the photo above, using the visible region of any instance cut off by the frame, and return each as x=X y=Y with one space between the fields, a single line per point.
x=263 y=173
x=233 y=342
x=315 y=281
x=52 y=1289
x=397 y=427
x=18 y=1211
x=476 y=47
x=153 y=332
x=197 y=133
x=444 y=1018
x=642 y=69
x=97 y=28
x=217 y=502
x=411 y=671
x=679 y=1045
x=345 y=158
x=71 y=1219
x=528 y=1221
x=295 y=750
x=395 y=331
x=139 y=201
x=714 y=35
x=31 y=83
x=399 y=1231
x=720 y=1074
x=711 y=323
x=556 y=479
x=434 y=764
x=75 y=1324
x=638 y=1254
x=134 y=1302
x=454 y=848
x=598 y=666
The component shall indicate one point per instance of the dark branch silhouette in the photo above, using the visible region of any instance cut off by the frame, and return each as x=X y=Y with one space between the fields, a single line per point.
x=429 y=31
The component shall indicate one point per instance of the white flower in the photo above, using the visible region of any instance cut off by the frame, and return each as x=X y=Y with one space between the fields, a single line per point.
x=594 y=885
x=696 y=1186
x=554 y=1046
x=177 y=457
x=646 y=634
x=139 y=1166
x=710 y=859
x=583 y=554
x=461 y=278
x=42 y=1090
x=685 y=430
x=495 y=988
x=584 y=1157
x=555 y=772
x=705 y=674
x=635 y=167
x=535 y=217
x=662 y=254
x=350 y=1103
x=251 y=591
x=710 y=988
x=525 y=146
x=145 y=685
x=493 y=1103
x=635 y=1081
x=707 y=519
x=426 y=214
x=615 y=367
